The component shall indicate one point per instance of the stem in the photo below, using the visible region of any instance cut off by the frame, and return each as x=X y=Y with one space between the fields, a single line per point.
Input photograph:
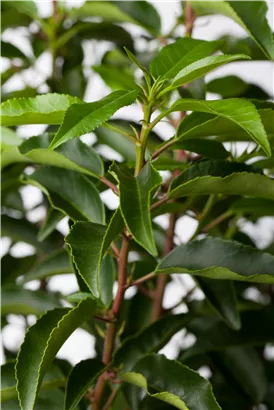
x=112 y=327
x=159 y=203
x=110 y=399
x=110 y=185
x=216 y=221
x=141 y=146
x=163 y=148
x=189 y=19
x=143 y=279
x=162 y=279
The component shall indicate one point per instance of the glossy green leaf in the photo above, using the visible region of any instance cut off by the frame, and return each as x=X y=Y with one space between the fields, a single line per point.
x=149 y=340
x=222 y=177
x=250 y=16
x=211 y=258
x=81 y=119
x=174 y=57
x=81 y=378
x=22 y=301
x=135 y=198
x=88 y=243
x=43 y=109
x=241 y=112
x=69 y=192
x=107 y=279
x=201 y=67
x=254 y=206
x=52 y=219
x=222 y=297
x=116 y=78
x=74 y=155
x=55 y=263
x=41 y=343
x=53 y=378
x=175 y=383
x=24 y=231
x=207 y=148
x=52 y=401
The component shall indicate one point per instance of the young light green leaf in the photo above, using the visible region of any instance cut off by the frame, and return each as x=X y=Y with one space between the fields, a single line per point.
x=55 y=263
x=251 y=16
x=43 y=109
x=222 y=177
x=83 y=118
x=174 y=57
x=175 y=383
x=81 y=378
x=9 y=148
x=74 y=155
x=151 y=339
x=211 y=258
x=41 y=343
x=241 y=112
x=135 y=198
x=69 y=192
x=18 y=300
x=53 y=378
x=201 y=67
x=88 y=243
x=222 y=297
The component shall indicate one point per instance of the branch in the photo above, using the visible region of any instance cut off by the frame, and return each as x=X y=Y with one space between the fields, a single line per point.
x=110 y=185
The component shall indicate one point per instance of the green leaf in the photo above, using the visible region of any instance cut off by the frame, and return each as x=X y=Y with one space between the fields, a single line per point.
x=9 y=148
x=81 y=378
x=52 y=401
x=24 y=231
x=222 y=177
x=239 y=363
x=55 y=263
x=250 y=16
x=211 y=258
x=116 y=78
x=88 y=243
x=69 y=192
x=241 y=112
x=83 y=118
x=28 y=8
x=18 y=300
x=41 y=343
x=253 y=206
x=52 y=219
x=175 y=383
x=233 y=86
x=107 y=279
x=201 y=67
x=43 y=109
x=148 y=340
x=174 y=57
x=135 y=197
x=222 y=297
x=8 y=50
x=207 y=148
x=12 y=267
x=74 y=155
x=53 y=378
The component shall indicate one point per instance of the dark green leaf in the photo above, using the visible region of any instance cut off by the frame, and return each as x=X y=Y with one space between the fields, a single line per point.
x=175 y=384
x=107 y=278
x=116 y=78
x=88 y=243
x=254 y=206
x=241 y=112
x=233 y=86
x=49 y=225
x=208 y=148
x=211 y=258
x=83 y=118
x=250 y=16
x=41 y=343
x=8 y=50
x=81 y=378
x=69 y=192
x=135 y=197
x=43 y=109
x=13 y=267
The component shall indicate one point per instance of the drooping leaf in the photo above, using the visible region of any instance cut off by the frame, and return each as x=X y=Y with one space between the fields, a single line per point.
x=88 y=243
x=135 y=197
x=41 y=343
x=175 y=383
x=201 y=67
x=53 y=378
x=43 y=109
x=241 y=112
x=222 y=177
x=81 y=378
x=232 y=86
x=151 y=339
x=83 y=118
x=18 y=300
x=251 y=17
x=74 y=155
x=222 y=297
x=174 y=57
x=55 y=263
x=69 y=192
x=212 y=258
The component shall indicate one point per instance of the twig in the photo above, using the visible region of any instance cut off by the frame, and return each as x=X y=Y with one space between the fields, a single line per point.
x=216 y=221
x=110 y=399
x=159 y=203
x=137 y=282
x=110 y=185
